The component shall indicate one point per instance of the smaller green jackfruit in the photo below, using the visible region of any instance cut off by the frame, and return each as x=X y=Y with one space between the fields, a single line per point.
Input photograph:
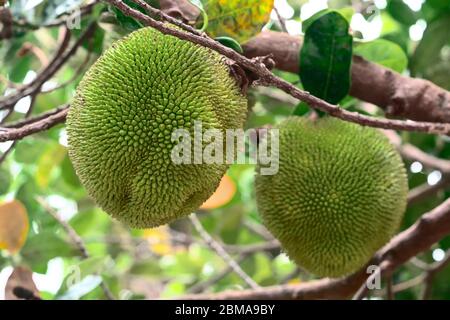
x=339 y=195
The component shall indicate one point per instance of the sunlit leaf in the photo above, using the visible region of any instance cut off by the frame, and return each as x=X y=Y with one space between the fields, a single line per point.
x=223 y=194
x=238 y=19
x=14 y=226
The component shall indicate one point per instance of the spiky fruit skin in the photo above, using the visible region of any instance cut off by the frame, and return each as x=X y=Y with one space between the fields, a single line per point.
x=339 y=195
x=121 y=121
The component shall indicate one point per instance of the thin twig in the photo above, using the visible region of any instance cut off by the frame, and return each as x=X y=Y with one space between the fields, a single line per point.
x=402 y=286
x=221 y=252
x=429 y=229
x=75 y=238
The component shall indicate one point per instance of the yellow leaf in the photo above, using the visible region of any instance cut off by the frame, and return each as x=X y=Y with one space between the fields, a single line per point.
x=238 y=19
x=159 y=240
x=224 y=193
x=14 y=226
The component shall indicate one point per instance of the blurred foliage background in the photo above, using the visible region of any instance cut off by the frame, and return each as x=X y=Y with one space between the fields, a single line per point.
x=37 y=181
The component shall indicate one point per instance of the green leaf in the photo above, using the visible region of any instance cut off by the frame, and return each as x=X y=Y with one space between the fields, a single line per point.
x=384 y=52
x=230 y=43
x=74 y=284
x=325 y=58
x=301 y=109
x=53 y=9
x=130 y=23
x=239 y=19
x=81 y=288
x=401 y=12
x=68 y=173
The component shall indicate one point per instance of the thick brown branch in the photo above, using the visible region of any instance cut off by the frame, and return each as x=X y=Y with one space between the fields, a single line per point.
x=399 y=96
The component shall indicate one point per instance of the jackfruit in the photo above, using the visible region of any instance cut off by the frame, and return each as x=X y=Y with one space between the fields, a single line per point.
x=339 y=195
x=121 y=121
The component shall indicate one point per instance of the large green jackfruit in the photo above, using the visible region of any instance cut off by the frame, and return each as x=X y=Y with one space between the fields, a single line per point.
x=121 y=121
x=339 y=195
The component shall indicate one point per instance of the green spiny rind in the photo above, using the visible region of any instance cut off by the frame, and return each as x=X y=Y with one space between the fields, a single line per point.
x=122 y=118
x=339 y=195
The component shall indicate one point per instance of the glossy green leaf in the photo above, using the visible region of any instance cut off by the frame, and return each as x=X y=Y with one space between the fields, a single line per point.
x=41 y=248
x=384 y=52
x=325 y=58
